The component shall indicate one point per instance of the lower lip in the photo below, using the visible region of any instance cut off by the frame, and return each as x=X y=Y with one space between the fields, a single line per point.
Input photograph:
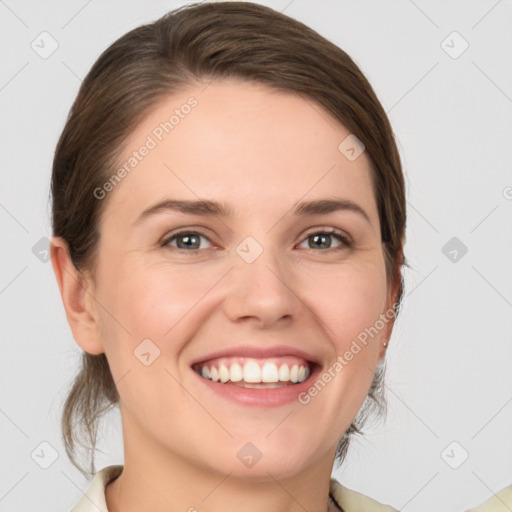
x=270 y=397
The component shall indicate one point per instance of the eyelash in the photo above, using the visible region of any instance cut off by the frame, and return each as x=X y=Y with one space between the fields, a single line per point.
x=344 y=239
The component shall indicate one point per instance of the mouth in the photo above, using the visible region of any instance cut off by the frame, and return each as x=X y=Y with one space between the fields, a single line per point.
x=257 y=376
x=256 y=373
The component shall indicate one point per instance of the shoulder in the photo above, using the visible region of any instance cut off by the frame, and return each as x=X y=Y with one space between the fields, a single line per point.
x=93 y=499
x=352 y=501
x=498 y=502
x=346 y=499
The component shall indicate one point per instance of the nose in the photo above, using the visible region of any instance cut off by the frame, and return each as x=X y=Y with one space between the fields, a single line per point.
x=261 y=291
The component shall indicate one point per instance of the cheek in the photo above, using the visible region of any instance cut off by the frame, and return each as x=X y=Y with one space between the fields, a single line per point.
x=349 y=301
x=159 y=301
x=152 y=302
x=144 y=325
x=349 y=309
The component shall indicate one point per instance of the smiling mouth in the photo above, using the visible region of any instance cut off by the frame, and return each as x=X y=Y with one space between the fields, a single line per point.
x=256 y=373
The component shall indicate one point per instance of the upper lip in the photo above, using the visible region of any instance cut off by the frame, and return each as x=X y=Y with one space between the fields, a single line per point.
x=258 y=353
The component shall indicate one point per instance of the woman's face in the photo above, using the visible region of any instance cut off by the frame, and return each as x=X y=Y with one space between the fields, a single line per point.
x=252 y=293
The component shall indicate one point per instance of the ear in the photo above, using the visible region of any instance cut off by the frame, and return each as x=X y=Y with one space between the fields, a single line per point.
x=77 y=293
x=390 y=307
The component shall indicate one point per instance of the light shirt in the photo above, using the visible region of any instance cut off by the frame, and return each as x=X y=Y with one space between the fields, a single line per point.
x=341 y=498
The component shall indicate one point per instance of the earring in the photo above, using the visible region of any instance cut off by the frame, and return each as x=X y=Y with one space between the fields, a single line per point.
x=385 y=343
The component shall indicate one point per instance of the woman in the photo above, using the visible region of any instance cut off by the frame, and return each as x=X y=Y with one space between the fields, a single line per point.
x=229 y=221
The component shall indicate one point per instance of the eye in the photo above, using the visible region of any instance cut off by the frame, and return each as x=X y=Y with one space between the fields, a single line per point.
x=323 y=239
x=185 y=240
x=190 y=241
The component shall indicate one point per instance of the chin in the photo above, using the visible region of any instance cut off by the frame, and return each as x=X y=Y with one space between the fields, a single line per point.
x=280 y=455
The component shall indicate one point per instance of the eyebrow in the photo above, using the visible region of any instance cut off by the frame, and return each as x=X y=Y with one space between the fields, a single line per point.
x=214 y=208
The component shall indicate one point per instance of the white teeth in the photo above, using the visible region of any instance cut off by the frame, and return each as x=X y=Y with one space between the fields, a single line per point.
x=223 y=373
x=284 y=372
x=235 y=373
x=269 y=373
x=252 y=372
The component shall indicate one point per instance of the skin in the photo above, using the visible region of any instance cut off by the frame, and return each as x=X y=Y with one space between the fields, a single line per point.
x=260 y=151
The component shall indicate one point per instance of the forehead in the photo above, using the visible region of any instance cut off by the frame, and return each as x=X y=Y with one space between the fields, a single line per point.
x=239 y=142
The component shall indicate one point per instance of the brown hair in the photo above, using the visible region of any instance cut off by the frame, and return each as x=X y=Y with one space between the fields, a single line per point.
x=195 y=43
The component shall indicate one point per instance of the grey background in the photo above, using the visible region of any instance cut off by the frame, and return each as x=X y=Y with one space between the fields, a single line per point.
x=449 y=363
